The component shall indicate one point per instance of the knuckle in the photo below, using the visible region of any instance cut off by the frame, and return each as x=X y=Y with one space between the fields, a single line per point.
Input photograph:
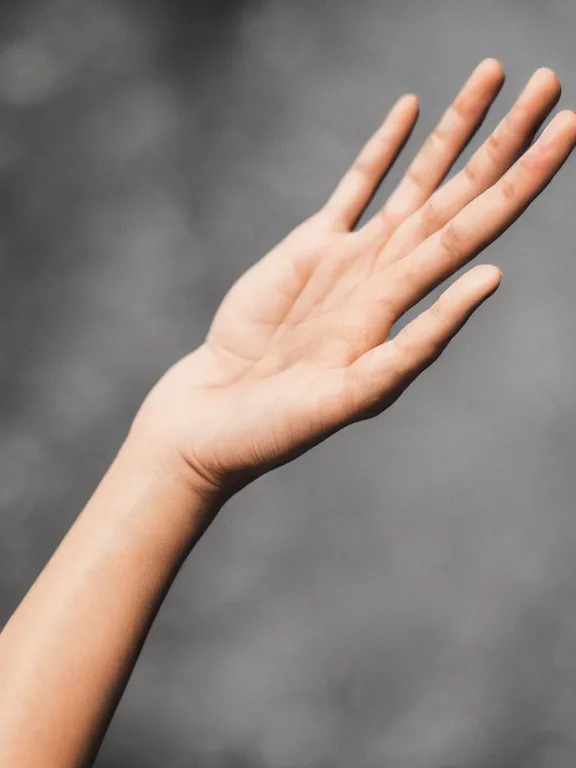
x=470 y=174
x=452 y=242
x=520 y=112
x=381 y=140
x=465 y=108
x=385 y=312
x=493 y=147
x=429 y=219
x=437 y=312
x=409 y=354
x=393 y=214
x=352 y=387
x=418 y=349
x=508 y=189
x=437 y=139
x=399 y=353
x=413 y=175
x=362 y=168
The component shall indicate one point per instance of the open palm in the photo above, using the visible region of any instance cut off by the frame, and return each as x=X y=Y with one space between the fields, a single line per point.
x=300 y=344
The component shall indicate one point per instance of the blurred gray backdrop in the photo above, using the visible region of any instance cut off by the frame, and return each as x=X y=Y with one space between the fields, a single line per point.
x=405 y=594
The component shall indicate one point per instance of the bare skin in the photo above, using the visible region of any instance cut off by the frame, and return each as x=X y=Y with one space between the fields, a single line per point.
x=300 y=345
x=299 y=348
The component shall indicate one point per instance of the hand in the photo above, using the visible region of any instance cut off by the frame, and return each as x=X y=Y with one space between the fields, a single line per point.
x=300 y=345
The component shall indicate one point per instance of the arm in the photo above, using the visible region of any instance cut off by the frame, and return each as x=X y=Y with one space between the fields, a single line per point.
x=69 y=648
x=299 y=348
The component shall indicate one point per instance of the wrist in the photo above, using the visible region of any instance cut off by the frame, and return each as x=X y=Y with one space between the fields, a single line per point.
x=187 y=500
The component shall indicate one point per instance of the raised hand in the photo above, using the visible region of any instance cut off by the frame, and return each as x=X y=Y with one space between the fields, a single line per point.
x=300 y=345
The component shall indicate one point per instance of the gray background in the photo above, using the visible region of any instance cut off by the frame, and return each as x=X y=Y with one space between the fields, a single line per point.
x=404 y=595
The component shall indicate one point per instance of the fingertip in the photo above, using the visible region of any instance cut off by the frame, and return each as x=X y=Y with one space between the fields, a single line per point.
x=405 y=107
x=492 y=272
x=486 y=275
x=493 y=66
x=549 y=74
x=564 y=118
x=409 y=100
x=544 y=81
x=478 y=284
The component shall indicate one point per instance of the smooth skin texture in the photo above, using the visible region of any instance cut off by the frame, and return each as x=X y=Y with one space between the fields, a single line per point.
x=300 y=345
x=299 y=348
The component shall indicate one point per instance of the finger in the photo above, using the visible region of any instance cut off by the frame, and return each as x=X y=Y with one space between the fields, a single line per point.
x=513 y=134
x=361 y=181
x=377 y=378
x=443 y=146
x=482 y=220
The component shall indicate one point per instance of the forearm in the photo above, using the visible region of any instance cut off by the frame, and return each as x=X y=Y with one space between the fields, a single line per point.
x=69 y=648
